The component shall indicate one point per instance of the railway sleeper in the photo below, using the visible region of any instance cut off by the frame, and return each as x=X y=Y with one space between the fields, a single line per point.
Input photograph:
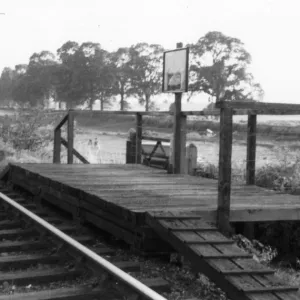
x=33 y=231
x=23 y=277
x=15 y=246
x=40 y=276
x=84 y=293
x=10 y=224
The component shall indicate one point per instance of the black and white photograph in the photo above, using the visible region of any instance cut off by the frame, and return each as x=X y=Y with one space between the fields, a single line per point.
x=149 y=150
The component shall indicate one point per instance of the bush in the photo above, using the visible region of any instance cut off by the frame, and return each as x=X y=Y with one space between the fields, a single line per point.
x=31 y=130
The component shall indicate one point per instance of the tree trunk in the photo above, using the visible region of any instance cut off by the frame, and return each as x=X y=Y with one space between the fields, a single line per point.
x=91 y=96
x=101 y=103
x=147 y=98
x=122 y=101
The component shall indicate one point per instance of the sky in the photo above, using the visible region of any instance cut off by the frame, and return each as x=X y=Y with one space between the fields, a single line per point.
x=268 y=28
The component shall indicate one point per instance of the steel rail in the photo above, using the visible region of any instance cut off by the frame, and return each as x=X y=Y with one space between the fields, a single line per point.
x=131 y=282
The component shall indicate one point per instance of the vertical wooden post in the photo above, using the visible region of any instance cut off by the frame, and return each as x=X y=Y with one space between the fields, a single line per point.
x=177 y=137
x=131 y=147
x=251 y=149
x=191 y=159
x=182 y=144
x=70 y=136
x=224 y=184
x=128 y=152
x=177 y=134
x=138 y=156
x=57 y=146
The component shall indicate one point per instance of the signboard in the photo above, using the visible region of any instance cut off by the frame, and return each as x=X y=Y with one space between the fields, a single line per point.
x=175 y=71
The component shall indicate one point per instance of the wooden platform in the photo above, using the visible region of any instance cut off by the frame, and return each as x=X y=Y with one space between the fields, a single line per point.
x=133 y=190
x=144 y=206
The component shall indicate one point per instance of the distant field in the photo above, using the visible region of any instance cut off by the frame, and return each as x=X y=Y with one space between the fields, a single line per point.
x=112 y=148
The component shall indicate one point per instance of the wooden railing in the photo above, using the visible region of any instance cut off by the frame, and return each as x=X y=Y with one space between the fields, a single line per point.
x=227 y=110
x=69 y=144
x=181 y=156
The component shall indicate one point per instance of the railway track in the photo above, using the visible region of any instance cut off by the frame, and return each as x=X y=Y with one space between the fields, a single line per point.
x=45 y=256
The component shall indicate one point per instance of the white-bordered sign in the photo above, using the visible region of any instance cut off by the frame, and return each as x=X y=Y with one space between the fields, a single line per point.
x=175 y=71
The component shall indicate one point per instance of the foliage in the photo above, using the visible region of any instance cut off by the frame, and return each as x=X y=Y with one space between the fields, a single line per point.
x=29 y=130
x=122 y=68
x=147 y=64
x=33 y=83
x=261 y=252
x=219 y=68
x=82 y=74
x=6 y=84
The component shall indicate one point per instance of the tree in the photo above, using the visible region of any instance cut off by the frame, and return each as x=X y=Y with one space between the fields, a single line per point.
x=6 y=84
x=95 y=73
x=219 y=68
x=66 y=76
x=20 y=93
x=39 y=77
x=85 y=74
x=147 y=66
x=123 y=73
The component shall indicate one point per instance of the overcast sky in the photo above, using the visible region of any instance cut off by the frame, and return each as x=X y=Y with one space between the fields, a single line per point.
x=269 y=29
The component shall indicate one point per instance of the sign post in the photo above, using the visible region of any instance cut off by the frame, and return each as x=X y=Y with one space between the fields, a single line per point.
x=175 y=80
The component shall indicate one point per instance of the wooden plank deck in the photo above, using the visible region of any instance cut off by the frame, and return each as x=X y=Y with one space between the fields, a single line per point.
x=136 y=189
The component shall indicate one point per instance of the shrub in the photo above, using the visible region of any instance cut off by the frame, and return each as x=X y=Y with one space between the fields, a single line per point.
x=30 y=130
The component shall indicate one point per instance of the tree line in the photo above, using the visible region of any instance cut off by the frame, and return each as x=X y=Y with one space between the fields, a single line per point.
x=81 y=74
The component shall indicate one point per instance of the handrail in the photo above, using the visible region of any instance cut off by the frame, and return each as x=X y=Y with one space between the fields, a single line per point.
x=130 y=281
x=75 y=152
x=118 y=112
x=62 y=122
x=151 y=138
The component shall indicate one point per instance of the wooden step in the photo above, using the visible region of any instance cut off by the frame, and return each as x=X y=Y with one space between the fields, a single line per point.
x=248 y=272
x=220 y=258
x=226 y=256
x=176 y=229
x=213 y=242
x=270 y=289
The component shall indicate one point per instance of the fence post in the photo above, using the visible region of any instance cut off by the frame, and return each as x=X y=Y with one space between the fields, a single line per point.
x=128 y=152
x=177 y=134
x=182 y=143
x=70 y=136
x=131 y=147
x=224 y=184
x=57 y=146
x=251 y=149
x=191 y=159
x=138 y=148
